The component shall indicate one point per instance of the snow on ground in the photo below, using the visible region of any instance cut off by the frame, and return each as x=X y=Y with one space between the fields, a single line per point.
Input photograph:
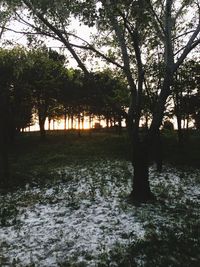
x=83 y=215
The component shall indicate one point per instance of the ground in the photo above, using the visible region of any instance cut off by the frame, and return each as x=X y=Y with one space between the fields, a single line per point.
x=69 y=207
x=83 y=218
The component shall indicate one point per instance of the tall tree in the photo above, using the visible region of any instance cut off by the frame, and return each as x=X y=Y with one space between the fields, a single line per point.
x=45 y=78
x=15 y=100
x=185 y=94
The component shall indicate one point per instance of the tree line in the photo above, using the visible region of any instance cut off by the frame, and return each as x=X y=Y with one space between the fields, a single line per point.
x=37 y=83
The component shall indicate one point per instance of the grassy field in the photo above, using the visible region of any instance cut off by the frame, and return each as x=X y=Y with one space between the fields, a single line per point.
x=31 y=159
x=69 y=208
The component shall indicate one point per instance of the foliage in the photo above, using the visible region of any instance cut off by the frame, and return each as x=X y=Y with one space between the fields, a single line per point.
x=186 y=92
x=15 y=90
x=45 y=76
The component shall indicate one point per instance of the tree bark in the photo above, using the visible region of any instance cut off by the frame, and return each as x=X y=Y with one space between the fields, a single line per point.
x=141 y=188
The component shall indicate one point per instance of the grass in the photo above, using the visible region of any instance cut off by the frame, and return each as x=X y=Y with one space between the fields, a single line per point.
x=80 y=175
x=34 y=161
x=31 y=158
x=83 y=219
x=185 y=154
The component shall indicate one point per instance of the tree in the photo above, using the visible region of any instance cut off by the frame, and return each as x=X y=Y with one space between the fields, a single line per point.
x=109 y=97
x=159 y=20
x=15 y=101
x=45 y=78
x=5 y=69
x=135 y=27
x=185 y=95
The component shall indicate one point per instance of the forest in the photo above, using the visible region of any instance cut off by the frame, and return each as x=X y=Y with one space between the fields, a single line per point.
x=119 y=183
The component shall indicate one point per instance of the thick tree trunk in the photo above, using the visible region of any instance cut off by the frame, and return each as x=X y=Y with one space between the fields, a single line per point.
x=141 y=188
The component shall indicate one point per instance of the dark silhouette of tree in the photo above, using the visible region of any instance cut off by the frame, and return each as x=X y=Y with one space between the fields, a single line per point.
x=46 y=79
x=186 y=91
x=15 y=101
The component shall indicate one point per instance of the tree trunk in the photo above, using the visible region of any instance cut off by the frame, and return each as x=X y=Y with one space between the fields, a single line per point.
x=68 y=121
x=79 y=125
x=156 y=149
x=82 y=122
x=72 y=121
x=5 y=118
x=141 y=189
x=90 y=121
x=107 y=123
x=65 y=119
x=180 y=132
x=42 y=129
x=49 y=124
x=120 y=125
x=4 y=166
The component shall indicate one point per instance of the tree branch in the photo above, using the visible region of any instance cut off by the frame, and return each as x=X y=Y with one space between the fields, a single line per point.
x=19 y=32
x=157 y=22
x=59 y=34
x=91 y=48
x=190 y=45
x=183 y=34
x=135 y=39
